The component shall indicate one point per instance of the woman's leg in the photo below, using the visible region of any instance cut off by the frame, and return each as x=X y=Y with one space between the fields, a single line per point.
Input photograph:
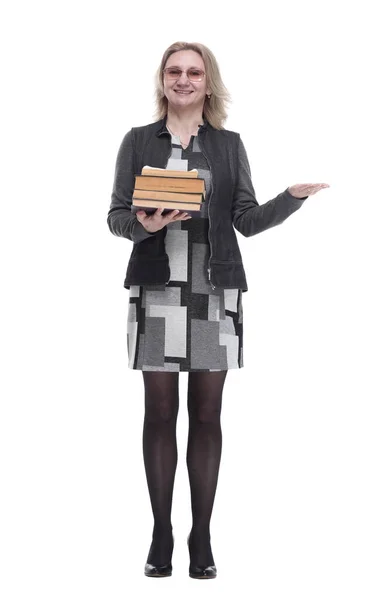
x=160 y=456
x=203 y=456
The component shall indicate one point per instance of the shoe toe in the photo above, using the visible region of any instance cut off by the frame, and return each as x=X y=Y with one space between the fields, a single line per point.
x=209 y=572
x=158 y=571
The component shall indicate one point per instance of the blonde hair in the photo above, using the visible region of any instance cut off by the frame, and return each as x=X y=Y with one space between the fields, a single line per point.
x=214 y=107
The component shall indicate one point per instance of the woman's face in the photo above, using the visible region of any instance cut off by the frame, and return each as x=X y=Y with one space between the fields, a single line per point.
x=183 y=93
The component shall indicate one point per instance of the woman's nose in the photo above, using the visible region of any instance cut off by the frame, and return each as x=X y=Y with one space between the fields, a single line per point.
x=183 y=78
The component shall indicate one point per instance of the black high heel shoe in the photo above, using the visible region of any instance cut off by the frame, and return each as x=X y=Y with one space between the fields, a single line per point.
x=155 y=571
x=159 y=571
x=198 y=572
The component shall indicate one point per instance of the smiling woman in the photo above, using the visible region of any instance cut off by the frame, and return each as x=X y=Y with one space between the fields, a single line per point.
x=190 y=71
x=185 y=82
x=185 y=86
x=186 y=280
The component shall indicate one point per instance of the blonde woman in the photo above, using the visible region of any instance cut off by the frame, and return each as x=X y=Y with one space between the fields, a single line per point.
x=186 y=279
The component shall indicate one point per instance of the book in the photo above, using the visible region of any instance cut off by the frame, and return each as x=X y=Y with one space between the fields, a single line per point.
x=150 y=200
x=150 y=206
x=170 y=184
x=157 y=171
x=176 y=197
x=168 y=189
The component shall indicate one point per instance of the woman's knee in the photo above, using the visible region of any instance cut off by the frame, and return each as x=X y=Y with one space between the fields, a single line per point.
x=204 y=412
x=161 y=410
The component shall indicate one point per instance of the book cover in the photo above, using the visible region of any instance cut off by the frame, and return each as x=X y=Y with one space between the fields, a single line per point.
x=169 y=196
x=150 y=207
x=170 y=184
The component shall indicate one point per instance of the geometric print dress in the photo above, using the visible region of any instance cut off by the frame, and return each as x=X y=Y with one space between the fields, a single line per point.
x=185 y=325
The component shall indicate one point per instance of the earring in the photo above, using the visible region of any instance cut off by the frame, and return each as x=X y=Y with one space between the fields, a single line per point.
x=208 y=95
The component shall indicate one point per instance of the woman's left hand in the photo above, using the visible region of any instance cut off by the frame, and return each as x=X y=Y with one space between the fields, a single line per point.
x=299 y=190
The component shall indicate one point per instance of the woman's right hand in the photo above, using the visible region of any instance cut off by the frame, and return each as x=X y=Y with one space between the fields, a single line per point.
x=156 y=221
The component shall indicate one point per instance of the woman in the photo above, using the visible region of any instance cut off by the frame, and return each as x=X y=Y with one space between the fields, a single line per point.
x=186 y=280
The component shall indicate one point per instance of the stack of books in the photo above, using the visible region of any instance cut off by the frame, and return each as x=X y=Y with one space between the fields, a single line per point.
x=168 y=189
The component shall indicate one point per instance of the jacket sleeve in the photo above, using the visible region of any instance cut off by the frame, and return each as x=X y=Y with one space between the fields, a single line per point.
x=250 y=218
x=121 y=221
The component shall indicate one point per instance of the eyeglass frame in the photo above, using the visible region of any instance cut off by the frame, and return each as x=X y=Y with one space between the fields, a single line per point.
x=186 y=72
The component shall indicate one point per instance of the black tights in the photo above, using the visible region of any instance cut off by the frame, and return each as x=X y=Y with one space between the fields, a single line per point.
x=203 y=456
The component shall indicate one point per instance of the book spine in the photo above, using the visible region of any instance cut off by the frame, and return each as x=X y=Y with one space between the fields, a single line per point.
x=142 y=203
x=169 y=184
x=170 y=196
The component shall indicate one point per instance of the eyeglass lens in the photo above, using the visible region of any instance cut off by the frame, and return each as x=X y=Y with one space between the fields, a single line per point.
x=192 y=74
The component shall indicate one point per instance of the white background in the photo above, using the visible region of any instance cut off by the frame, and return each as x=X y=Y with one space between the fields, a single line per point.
x=295 y=514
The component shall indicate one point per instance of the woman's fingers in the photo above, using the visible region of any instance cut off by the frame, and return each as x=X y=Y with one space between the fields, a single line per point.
x=182 y=216
x=176 y=215
x=312 y=188
x=306 y=189
x=157 y=220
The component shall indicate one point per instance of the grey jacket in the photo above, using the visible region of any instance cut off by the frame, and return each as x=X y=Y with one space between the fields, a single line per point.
x=232 y=204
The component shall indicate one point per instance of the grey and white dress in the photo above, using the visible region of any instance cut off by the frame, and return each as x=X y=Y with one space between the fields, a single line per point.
x=185 y=325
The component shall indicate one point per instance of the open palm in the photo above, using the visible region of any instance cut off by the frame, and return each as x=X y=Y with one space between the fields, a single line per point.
x=299 y=190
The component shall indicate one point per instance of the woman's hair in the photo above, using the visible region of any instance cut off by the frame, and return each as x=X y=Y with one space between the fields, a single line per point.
x=214 y=107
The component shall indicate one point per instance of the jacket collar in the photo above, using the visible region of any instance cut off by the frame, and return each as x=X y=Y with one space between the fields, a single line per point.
x=162 y=128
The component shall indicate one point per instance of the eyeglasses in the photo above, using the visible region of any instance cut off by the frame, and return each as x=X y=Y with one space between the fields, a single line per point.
x=192 y=74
